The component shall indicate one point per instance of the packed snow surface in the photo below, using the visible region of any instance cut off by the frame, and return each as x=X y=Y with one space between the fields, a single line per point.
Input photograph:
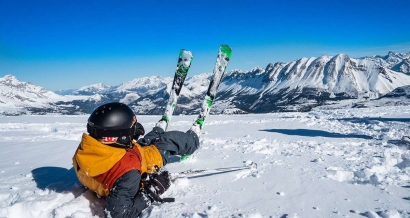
x=324 y=163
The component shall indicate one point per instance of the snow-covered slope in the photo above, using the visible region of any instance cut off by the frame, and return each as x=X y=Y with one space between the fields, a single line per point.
x=340 y=163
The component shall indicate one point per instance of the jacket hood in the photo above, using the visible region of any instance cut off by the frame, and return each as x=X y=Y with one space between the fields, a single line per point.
x=95 y=158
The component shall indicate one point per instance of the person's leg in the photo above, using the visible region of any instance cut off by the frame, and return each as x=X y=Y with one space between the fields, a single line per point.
x=171 y=142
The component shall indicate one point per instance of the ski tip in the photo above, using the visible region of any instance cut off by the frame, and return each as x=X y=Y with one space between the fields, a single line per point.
x=226 y=46
x=186 y=53
x=226 y=50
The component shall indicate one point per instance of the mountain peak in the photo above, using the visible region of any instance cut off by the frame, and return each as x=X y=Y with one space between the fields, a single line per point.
x=9 y=79
x=391 y=53
x=341 y=58
x=341 y=55
x=297 y=85
x=98 y=86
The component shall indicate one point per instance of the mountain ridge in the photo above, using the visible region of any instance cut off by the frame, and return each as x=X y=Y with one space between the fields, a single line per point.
x=299 y=85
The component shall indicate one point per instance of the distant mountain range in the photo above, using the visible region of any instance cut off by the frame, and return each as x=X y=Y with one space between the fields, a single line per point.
x=298 y=85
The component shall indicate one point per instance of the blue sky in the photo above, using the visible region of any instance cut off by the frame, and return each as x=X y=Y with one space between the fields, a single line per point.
x=60 y=44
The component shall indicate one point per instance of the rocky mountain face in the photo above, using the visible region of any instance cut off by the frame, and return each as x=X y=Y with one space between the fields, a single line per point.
x=399 y=62
x=299 y=85
x=308 y=82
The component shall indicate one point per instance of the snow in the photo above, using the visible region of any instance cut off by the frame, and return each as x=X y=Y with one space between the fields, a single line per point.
x=324 y=163
x=14 y=95
x=144 y=84
x=130 y=97
x=391 y=59
x=95 y=88
x=359 y=78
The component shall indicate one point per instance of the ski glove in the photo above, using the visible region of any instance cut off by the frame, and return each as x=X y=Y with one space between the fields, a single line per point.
x=156 y=183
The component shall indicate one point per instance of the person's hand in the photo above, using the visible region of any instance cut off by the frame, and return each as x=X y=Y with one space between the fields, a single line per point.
x=158 y=183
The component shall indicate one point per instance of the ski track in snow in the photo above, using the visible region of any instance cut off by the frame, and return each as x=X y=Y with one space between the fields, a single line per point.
x=328 y=163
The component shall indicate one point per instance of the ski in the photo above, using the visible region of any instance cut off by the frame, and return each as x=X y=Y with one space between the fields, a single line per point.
x=193 y=172
x=184 y=63
x=222 y=60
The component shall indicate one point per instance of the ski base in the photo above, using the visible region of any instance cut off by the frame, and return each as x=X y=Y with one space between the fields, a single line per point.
x=222 y=60
x=184 y=63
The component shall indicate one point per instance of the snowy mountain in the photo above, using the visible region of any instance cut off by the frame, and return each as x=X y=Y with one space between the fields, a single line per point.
x=25 y=98
x=305 y=83
x=299 y=85
x=144 y=85
x=22 y=92
x=139 y=86
x=98 y=88
x=399 y=62
x=15 y=95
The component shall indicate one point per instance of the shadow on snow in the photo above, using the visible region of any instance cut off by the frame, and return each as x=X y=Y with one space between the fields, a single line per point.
x=372 y=120
x=399 y=143
x=57 y=179
x=316 y=133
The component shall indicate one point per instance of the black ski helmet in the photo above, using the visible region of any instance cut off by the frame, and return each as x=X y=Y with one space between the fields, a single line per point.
x=113 y=124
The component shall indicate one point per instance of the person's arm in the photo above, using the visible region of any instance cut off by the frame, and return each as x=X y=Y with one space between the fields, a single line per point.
x=123 y=201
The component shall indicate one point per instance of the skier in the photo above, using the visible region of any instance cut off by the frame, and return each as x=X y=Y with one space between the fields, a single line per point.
x=129 y=174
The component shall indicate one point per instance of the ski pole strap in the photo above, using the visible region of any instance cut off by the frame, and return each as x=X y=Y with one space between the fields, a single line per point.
x=157 y=198
x=168 y=199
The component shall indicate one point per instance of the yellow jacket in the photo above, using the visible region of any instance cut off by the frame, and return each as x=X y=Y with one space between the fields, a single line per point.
x=98 y=166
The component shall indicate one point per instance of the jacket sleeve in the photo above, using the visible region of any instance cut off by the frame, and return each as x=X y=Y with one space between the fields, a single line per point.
x=123 y=200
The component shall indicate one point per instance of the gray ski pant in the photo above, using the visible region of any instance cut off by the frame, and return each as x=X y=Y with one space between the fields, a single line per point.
x=171 y=142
